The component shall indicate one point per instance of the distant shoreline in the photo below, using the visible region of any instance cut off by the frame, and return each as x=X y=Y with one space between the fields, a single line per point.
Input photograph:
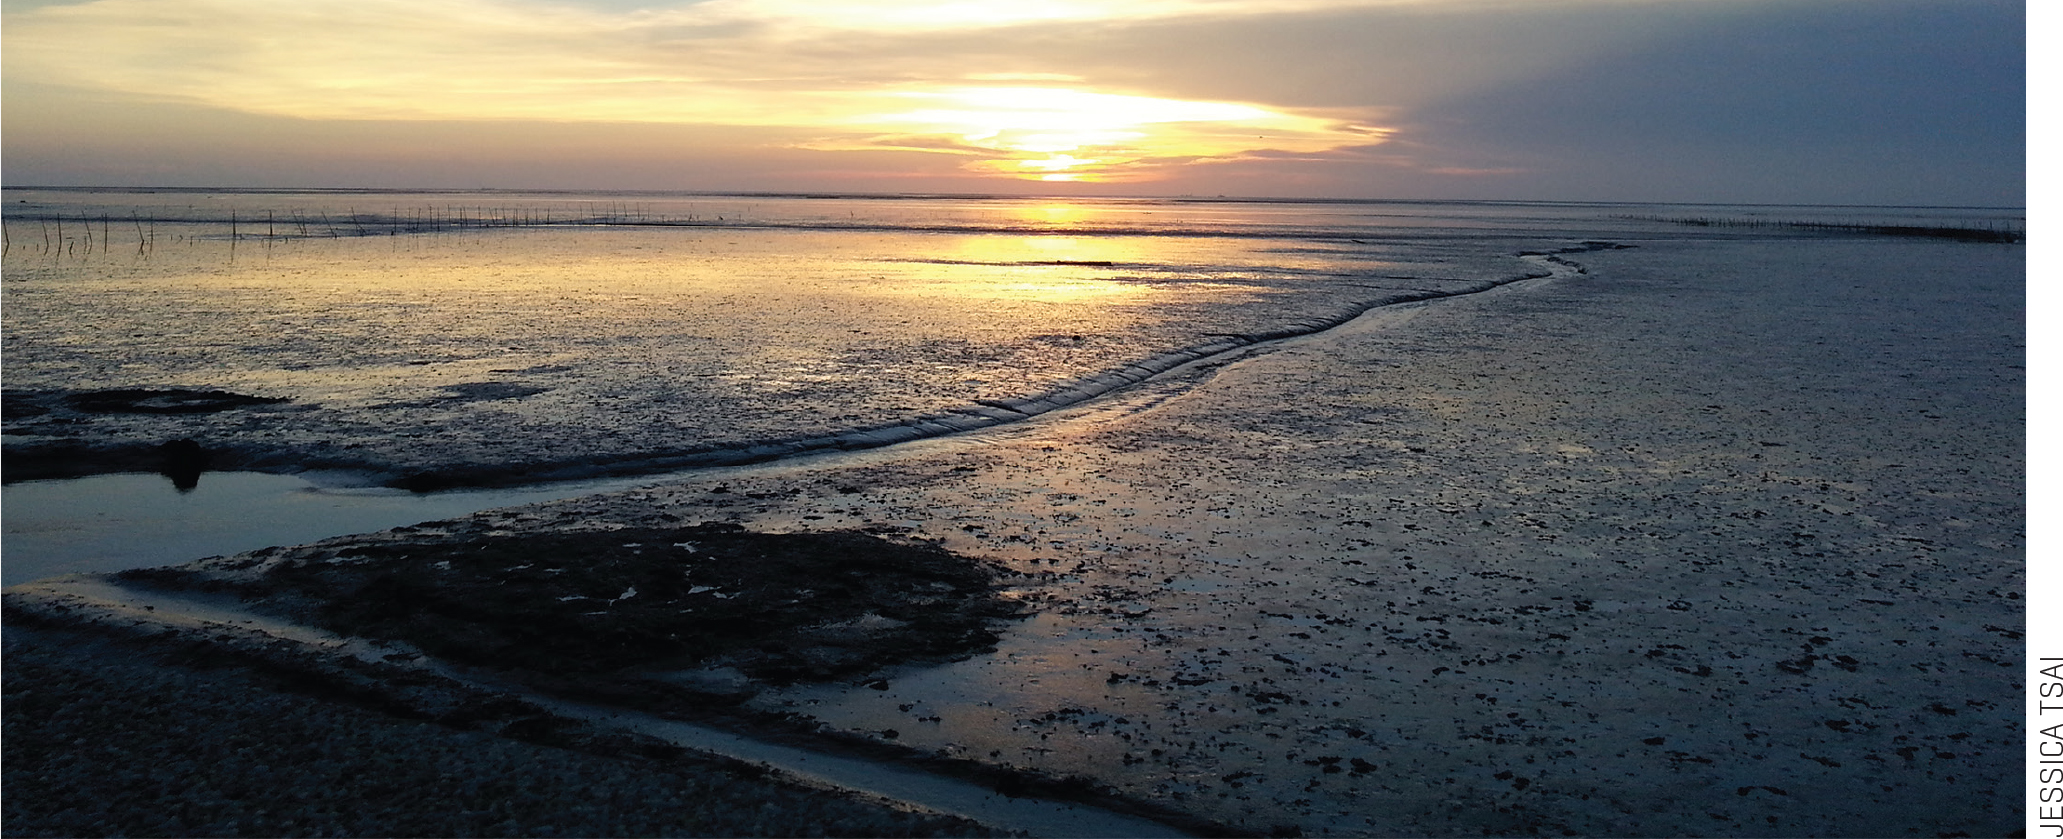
x=911 y=196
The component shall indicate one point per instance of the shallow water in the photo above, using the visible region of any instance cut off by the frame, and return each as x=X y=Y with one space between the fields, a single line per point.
x=512 y=338
x=116 y=522
x=564 y=351
x=435 y=340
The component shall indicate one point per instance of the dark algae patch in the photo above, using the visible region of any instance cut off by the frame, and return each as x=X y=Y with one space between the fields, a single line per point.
x=58 y=434
x=776 y=607
x=145 y=401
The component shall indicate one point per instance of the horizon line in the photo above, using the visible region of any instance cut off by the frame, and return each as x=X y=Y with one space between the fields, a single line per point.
x=863 y=195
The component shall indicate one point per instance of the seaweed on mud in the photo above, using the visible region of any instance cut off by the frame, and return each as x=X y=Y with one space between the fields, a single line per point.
x=168 y=401
x=20 y=404
x=777 y=607
x=471 y=392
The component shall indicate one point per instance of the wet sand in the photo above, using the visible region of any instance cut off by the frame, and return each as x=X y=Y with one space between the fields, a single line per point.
x=1722 y=537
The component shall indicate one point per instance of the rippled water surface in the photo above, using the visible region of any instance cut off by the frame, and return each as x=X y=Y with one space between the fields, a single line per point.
x=506 y=338
x=451 y=344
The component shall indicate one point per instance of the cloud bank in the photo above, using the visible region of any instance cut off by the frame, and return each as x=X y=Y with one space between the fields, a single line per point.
x=1365 y=98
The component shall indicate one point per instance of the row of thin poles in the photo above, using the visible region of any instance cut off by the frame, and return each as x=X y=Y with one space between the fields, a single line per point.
x=54 y=239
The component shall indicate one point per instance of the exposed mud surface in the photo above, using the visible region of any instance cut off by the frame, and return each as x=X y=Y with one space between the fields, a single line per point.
x=1714 y=539
x=213 y=737
x=777 y=607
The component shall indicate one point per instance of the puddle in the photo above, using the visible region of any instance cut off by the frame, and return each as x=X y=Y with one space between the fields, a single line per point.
x=138 y=520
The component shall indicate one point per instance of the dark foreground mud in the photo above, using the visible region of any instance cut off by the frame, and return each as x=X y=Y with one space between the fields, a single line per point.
x=779 y=607
x=153 y=702
x=112 y=734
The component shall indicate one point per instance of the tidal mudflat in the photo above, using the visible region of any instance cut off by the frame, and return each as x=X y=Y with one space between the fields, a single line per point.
x=1731 y=549
x=1720 y=536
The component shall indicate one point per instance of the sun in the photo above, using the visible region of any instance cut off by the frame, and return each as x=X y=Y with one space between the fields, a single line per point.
x=1069 y=135
x=1056 y=167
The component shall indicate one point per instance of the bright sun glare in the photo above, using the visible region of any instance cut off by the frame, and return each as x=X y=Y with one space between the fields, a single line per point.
x=1060 y=134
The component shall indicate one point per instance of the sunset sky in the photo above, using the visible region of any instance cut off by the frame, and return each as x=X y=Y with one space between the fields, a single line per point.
x=1781 y=101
